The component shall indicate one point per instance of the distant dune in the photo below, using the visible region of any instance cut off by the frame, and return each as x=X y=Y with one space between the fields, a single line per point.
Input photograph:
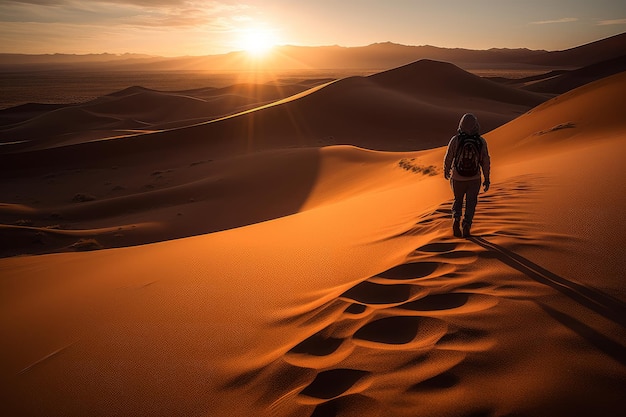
x=584 y=55
x=576 y=78
x=411 y=107
x=265 y=251
x=560 y=81
x=136 y=109
x=71 y=79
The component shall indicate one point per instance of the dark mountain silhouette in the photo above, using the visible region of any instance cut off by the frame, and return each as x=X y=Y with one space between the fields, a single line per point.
x=373 y=58
x=584 y=55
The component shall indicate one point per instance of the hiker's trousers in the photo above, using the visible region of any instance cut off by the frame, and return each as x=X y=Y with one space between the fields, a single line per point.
x=468 y=191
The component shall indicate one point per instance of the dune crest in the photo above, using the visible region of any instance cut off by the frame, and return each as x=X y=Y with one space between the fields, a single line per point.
x=415 y=103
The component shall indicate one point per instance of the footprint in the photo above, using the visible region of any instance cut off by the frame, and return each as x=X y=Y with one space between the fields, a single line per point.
x=477 y=285
x=304 y=315
x=333 y=383
x=318 y=345
x=349 y=405
x=318 y=352
x=438 y=247
x=439 y=382
x=371 y=293
x=450 y=304
x=401 y=331
x=459 y=254
x=464 y=339
x=411 y=270
x=356 y=309
x=437 y=302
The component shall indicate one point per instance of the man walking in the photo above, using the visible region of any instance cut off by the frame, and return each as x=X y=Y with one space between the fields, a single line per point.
x=466 y=157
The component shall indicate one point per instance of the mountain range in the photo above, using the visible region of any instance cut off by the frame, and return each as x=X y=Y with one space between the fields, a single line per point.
x=374 y=57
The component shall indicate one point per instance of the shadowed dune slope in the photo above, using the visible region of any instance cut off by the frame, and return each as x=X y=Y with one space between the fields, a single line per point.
x=167 y=199
x=584 y=55
x=360 y=302
x=137 y=108
x=561 y=83
x=151 y=185
x=447 y=82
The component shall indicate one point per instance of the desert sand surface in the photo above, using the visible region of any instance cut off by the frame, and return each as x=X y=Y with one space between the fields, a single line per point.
x=123 y=186
x=258 y=263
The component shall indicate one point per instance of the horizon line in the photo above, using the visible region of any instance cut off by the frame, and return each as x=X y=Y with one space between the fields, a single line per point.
x=296 y=46
x=388 y=42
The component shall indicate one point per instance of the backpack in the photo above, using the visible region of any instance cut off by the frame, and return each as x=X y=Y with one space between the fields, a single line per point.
x=467 y=160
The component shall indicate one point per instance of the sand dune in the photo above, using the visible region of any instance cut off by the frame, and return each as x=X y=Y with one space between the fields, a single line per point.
x=161 y=179
x=579 y=77
x=561 y=81
x=447 y=82
x=337 y=289
x=135 y=109
x=584 y=55
x=384 y=112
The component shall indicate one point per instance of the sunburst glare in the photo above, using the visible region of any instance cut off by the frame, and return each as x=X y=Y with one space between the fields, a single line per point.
x=258 y=41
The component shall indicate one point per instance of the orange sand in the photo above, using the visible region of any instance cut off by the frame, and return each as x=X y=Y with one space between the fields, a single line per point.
x=320 y=281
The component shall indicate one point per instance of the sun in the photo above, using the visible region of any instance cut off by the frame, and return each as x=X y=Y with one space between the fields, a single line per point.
x=257 y=42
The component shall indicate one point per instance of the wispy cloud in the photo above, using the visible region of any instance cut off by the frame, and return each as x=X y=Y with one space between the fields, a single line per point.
x=549 y=22
x=161 y=26
x=137 y=13
x=150 y=3
x=612 y=22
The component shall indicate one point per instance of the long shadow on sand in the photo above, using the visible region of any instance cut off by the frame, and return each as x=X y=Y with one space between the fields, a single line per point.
x=603 y=304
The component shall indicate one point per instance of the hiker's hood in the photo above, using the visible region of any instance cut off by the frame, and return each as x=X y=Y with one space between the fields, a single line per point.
x=469 y=124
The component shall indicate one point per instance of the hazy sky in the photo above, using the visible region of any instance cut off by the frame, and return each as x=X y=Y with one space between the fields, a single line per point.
x=198 y=27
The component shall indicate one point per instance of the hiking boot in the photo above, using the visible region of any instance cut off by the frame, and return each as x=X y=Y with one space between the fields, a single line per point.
x=466 y=229
x=456 y=228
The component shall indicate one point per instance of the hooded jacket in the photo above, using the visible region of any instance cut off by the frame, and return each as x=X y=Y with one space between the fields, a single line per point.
x=469 y=125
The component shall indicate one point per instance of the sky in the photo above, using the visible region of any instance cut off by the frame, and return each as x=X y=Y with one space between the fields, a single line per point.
x=206 y=27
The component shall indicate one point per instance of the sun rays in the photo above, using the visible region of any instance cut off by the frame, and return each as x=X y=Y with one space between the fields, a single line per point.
x=257 y=41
